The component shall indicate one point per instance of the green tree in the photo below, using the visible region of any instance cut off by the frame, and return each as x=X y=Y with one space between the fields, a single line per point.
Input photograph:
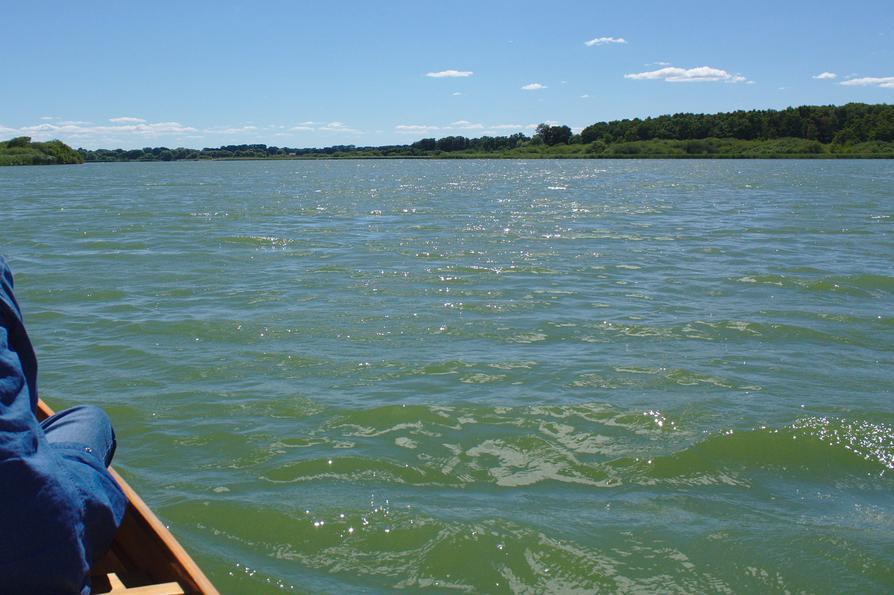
x=553 y=135
x=20 y=142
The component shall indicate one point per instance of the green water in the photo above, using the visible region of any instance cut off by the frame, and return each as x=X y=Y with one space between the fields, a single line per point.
x=483 y=376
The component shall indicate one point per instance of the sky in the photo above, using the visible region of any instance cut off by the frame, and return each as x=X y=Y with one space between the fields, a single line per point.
x=310 y=74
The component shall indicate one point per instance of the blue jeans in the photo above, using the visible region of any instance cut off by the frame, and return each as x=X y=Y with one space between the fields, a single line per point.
x=86 y=426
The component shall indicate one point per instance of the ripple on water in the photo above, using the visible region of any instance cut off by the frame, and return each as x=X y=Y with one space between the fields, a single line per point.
x=594 y=445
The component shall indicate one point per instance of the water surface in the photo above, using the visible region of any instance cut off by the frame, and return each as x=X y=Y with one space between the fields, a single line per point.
x=482 y=376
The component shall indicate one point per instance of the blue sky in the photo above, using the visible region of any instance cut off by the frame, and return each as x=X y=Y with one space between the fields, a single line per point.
x=298 y=74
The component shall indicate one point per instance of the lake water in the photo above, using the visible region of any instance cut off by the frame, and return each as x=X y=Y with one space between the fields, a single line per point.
x=482 y=376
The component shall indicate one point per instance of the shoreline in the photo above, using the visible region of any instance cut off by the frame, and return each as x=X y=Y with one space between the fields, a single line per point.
x=531 y=157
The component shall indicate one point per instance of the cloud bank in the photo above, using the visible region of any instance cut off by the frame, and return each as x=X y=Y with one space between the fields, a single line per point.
x=311 y=126
x=885 y=82
x=700 y=74
x=86 y=129
x=461 y=125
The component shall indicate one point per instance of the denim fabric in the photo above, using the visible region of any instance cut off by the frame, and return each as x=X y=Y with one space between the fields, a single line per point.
x=60 y=507
x=84 y=426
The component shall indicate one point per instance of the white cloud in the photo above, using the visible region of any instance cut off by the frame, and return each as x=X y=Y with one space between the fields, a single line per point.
x=449 y=74
x=456 y=93
x=533 y=87
x=86 y=129
x=161 y=128
x=311 y=126
x=825 y=76
x=80 y=133
x=701 y=74
x=512 y=127
x=50 y=118
x=885 y=82
x=459 y=126
x=466 y=125
x=415 y=128
x=338 y=127
x=604 y=41
x=129 y=132
x=231 y=130
x=37 y=128
x=585 y=96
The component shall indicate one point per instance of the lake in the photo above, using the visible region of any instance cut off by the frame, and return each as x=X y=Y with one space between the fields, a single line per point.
x=482 y=376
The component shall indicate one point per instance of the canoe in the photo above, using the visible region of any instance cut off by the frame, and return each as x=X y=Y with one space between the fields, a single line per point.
x=144 y=559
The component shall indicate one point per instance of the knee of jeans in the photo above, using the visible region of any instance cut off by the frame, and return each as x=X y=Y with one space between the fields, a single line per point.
x=93 y=417
x=92 y=413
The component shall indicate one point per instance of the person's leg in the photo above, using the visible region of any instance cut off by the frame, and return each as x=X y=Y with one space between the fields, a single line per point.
x=85 y=425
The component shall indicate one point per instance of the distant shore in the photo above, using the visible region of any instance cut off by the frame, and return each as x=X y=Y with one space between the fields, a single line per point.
x=851 y=131
x=491 y=156
x=854 y=130
x=705 y=148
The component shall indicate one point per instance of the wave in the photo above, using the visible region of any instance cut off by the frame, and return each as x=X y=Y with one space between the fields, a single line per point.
x=590 y=445
x=461 y=543
x=862 y=285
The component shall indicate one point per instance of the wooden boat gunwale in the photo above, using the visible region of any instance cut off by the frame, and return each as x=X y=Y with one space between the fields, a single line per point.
x=144 y=550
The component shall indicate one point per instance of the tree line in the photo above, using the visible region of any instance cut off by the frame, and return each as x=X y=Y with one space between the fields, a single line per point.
x=848 y=130
x=846 y=124
x=851 y=130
